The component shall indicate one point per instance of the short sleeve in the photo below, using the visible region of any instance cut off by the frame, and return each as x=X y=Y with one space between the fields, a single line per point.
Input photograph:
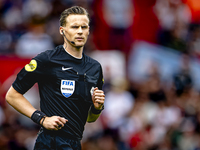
x=30 y=74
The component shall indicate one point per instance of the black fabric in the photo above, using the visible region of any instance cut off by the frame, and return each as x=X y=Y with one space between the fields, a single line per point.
x=58 y=74
x=54 y=140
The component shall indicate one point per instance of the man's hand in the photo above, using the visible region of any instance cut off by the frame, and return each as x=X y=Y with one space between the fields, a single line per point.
x=54 y=122
x=98 y=98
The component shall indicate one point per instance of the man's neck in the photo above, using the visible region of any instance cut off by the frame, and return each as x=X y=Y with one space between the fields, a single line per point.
x=74 y=51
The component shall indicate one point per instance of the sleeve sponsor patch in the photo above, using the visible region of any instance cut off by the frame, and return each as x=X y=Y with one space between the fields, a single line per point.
x=31 y=66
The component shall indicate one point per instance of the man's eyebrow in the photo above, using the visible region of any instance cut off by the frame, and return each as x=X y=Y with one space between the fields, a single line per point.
x=82 y=25
x=76 y=23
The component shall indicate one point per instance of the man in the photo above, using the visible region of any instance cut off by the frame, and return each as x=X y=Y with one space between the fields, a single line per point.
x=70 y=86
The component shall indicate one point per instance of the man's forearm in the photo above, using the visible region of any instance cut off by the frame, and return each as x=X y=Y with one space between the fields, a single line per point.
x=19 y=102
x=92 y=117
x=94 y=114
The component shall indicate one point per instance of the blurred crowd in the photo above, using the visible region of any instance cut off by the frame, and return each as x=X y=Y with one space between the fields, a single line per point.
x=155 y=113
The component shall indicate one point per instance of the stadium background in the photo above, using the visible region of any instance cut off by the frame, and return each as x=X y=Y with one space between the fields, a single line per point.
x=149 y=50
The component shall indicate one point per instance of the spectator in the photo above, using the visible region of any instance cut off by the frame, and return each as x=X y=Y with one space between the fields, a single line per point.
x=174 y=17
x=114 y=18
x=35 y=40
x=118 y=98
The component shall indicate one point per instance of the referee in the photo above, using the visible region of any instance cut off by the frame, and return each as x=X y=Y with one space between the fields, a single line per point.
x=70 y=86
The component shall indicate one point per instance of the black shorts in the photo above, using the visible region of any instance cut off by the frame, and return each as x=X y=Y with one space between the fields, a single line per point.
x=48 y=140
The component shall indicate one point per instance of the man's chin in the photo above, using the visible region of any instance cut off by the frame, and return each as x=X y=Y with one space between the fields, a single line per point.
x=79 y=46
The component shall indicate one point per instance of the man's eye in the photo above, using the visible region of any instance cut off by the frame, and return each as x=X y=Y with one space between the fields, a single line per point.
x=75 y=27
x=84 y=27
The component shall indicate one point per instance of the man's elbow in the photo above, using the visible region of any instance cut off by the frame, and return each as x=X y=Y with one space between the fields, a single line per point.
x=9 y=95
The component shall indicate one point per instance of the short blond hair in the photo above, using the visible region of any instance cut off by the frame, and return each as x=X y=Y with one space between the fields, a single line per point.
x=74 y=10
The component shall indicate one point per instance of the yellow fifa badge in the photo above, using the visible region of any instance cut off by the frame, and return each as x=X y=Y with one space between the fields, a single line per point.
x=31 y=66
x=103 y=80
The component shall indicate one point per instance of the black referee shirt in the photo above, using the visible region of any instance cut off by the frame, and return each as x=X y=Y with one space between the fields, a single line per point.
x=65 y=85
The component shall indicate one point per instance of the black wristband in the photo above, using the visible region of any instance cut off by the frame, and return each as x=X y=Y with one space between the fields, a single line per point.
x=37 y=116
x=95 y=111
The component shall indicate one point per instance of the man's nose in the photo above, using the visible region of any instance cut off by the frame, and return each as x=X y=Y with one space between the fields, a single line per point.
x=80 y=30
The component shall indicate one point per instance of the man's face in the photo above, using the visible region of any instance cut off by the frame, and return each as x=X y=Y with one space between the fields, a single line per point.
x=77 y=29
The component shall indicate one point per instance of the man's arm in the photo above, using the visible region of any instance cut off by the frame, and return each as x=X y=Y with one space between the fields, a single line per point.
x=98 y=98
x=92 y=117
x=22 y=105
x=19 y=102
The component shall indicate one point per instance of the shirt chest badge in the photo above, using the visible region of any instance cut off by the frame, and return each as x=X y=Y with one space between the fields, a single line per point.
x=67 y=87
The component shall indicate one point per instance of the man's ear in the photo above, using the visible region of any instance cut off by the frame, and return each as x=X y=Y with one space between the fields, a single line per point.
x=61 y=30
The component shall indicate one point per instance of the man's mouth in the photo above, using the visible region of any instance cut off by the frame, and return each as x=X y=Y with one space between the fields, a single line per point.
x=79 y=38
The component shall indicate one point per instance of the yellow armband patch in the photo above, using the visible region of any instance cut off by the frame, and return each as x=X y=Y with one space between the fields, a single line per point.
x=31 y=66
